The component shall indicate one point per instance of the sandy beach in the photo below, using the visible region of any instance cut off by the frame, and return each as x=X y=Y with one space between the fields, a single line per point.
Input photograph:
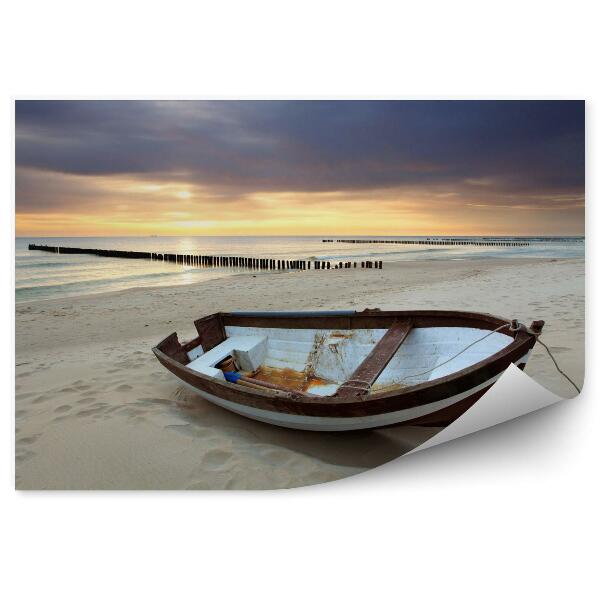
x=95 y=410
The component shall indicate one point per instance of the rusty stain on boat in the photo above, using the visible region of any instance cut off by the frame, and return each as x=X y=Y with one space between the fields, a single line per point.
x=313 y=355
x=299 y=381
x=346 y=335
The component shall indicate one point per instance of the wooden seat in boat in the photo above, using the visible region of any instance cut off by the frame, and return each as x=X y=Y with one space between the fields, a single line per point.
x=248 y=351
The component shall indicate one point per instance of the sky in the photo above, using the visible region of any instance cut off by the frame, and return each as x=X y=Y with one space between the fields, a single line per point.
x=92 y=168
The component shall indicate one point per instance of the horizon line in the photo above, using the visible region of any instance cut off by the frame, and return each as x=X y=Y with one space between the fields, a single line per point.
x=329 y=235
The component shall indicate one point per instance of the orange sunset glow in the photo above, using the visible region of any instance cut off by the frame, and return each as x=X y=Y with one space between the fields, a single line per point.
x=299 y=168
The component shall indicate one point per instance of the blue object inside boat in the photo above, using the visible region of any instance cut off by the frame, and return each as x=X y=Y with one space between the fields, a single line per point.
x=232 y=376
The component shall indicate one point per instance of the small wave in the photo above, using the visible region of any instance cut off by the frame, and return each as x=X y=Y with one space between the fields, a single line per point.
x=49 y=264
x=93 y=282
x=414 y=252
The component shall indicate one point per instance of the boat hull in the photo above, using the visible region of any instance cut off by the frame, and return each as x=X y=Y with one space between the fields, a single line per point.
x=435 y=414
x=433 y=403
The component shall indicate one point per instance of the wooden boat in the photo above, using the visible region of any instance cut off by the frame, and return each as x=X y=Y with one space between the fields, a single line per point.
x=346 y=370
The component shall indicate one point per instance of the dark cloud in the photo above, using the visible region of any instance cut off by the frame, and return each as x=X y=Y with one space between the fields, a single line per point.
x=521 y=146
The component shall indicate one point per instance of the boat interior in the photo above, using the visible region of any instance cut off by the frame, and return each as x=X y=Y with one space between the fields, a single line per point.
x=319 y=361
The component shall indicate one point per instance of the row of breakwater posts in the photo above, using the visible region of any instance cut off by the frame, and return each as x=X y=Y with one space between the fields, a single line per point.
x=198 y=260
x=435 y=242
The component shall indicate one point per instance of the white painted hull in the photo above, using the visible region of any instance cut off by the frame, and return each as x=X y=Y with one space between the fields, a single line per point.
x=312 y=423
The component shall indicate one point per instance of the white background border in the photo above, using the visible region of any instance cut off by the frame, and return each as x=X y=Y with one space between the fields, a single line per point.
x=507 y=512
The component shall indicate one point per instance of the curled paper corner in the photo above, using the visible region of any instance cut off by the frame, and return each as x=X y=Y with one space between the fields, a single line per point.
x=513 y=395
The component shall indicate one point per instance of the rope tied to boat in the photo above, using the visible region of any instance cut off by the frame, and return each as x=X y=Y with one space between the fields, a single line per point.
x=367 y=385
x=537 y=334
x=557 y=367
x=457 y=354
x=512 y=326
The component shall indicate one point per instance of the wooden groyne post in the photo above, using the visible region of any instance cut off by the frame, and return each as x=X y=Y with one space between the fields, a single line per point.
x=437 y=242
x=198 y=260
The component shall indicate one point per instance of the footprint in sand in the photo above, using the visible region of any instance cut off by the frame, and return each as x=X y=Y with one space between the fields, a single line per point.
x=156 y=375
x=86 y=400
x=39 y=399
x=201 y=485
x=67 y=390
x=62 y=409
x=29 y=439
x=215 y=459
x=23 y=455
x=154 y=401
x=197 y=432
x=275 y=457
x=91 y=412
x=129 y=411
x=124 y=387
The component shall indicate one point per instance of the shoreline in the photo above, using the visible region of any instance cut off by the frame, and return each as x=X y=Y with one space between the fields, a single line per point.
x=488 y=262
x=95 y=410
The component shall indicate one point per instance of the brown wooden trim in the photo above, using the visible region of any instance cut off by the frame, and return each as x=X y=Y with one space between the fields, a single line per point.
x=211 y=331
x=378 y=402
x=365 y=375
x=306 y=404
x=370 y=319
x=445 y=416
x=191 y=344
x=172 y=348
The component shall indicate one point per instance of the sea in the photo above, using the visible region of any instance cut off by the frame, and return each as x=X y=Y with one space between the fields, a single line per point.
x=41 y=275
